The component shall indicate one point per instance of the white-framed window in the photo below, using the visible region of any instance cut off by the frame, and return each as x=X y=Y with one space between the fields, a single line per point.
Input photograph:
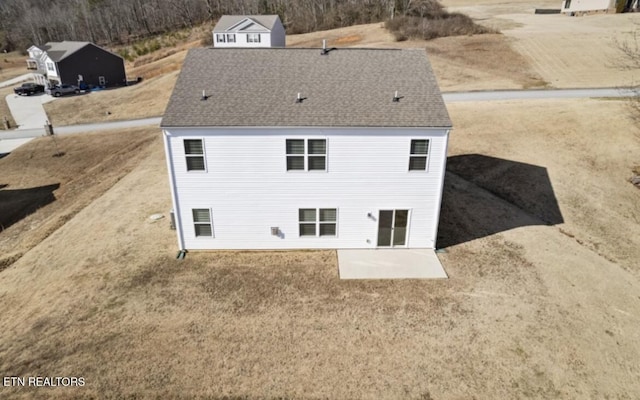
x=253 y=38
x=231 y=37
x=220 y=38
x=306 y=154
x=51 y=67
x=194 y=153
x=419 y=155
x=202 y=222
x=318 y=221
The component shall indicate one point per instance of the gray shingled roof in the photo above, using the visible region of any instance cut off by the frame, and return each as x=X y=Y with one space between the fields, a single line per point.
x=227 y=21
x=347 y=87
x=58 y=51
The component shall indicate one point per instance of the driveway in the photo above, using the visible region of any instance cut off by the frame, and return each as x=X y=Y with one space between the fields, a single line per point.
x=28 y=111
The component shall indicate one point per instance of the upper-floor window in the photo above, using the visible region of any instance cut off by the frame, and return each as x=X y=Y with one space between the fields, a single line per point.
x=418 y=155
x=202 y=221
x=306 y=154
x=194 y=153
x=231 y=37
x=318 y=221
x=253 y=38
x=51 y=67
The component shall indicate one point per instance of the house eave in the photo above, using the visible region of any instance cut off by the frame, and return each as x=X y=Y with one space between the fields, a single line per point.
x=341 y=127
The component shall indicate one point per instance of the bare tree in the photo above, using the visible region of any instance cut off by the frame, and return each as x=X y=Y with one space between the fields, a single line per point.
x=630 y=60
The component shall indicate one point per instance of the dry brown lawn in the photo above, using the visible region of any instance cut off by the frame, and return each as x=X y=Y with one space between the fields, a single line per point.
x=532 y=309
x=146 y=99
x=12 y=65
x=539 y=220
x=33 y=178
x=4 y=108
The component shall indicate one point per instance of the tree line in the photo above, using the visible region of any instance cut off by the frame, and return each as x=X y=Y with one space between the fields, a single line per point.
x=26 y=22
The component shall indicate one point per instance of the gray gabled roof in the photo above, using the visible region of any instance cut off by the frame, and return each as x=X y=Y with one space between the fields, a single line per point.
x=346 y=87
x=227 y=21
x=58 y=51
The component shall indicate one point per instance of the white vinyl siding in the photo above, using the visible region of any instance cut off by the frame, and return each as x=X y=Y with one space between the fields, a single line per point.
x=251 y=35
x=52 y=71
x=250 y=190
x=587 y=5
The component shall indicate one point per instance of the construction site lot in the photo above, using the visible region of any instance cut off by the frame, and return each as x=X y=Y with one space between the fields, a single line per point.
x=542 y=300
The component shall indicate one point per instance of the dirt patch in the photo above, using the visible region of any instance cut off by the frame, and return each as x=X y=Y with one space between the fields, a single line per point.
x=368 y=35
x=348 y=40
x=480 y=62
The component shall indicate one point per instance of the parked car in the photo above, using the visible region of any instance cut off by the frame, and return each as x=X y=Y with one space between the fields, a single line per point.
x=61 y=90
x=29 y=89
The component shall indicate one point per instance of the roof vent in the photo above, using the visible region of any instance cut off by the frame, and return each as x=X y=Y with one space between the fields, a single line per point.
x=326 y=50
x=204 y=95
x=396 y=98
x=299 y=99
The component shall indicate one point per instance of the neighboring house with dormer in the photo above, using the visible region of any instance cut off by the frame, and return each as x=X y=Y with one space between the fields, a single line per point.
x=249 y=31
x=75 y=63
x=306 y=148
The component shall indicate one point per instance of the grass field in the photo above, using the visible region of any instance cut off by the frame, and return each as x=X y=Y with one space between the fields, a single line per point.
x=539 y=221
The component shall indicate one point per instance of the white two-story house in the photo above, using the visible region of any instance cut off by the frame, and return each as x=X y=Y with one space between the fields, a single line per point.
x=249 y=31
x=306 y=148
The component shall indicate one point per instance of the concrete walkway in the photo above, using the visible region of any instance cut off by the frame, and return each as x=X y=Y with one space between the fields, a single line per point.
x=389 y=264
x=28 y=111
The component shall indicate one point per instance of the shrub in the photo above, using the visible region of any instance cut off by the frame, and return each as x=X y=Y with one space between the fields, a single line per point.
x=126 y=54
x=433 y=22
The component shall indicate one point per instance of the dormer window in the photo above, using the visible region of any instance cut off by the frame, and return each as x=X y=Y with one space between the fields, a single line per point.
x=253 y=38
x=220 y=38
x=231 y=37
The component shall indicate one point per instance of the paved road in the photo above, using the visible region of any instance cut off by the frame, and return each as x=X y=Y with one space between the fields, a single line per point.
x=535 y=94
x=12 y=139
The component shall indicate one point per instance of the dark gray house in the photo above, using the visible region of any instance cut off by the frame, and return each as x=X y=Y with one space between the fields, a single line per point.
x=75 y=63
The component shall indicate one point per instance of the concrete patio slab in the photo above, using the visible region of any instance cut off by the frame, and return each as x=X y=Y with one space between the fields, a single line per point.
x=389 y=264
